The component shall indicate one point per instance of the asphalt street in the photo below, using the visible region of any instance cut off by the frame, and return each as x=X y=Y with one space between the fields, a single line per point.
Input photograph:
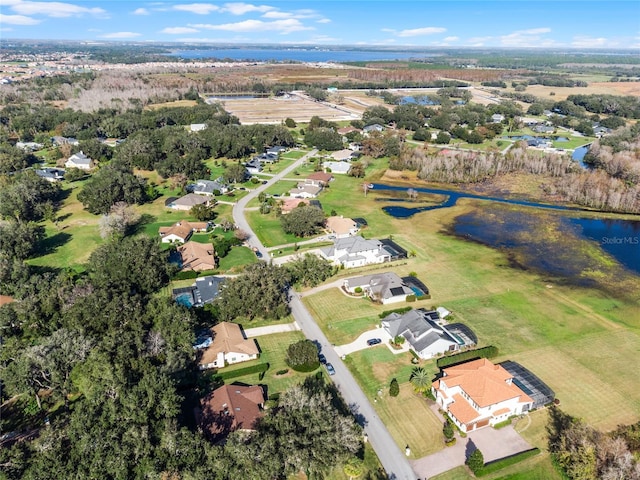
x=392 y=459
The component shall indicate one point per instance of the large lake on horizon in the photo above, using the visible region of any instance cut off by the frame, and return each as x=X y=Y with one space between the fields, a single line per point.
x=299 y=55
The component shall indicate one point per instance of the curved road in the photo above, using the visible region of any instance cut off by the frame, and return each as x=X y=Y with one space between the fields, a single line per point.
x=393 y=460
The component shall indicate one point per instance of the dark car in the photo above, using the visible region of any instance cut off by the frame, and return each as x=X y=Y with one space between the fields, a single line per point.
x=330 y=369
x=373 y=341
x=322 y=358
x=258 y=253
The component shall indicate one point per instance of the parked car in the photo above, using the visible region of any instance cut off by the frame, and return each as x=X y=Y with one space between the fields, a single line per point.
x=322 y=358
x=373 y=341
x=330 y=369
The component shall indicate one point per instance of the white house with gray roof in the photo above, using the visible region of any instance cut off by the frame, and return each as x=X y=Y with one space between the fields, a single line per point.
x=422 y=331
x=79 y=160
x=208 y=187
x=385 y=287
x=356 y=252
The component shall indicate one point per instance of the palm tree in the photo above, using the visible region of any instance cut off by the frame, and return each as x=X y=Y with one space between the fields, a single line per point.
x=353 y=468
x=420 y=379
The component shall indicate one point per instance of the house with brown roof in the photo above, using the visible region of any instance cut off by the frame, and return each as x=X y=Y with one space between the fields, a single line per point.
x=305 y=191
x=478 y=393
x=188 y=201
x=319 y=178
x=289 y=204
x=347 y=130
x=181 y=231
x=197 y=256
x=341 y=227
x=230 y=408
x=228 y=347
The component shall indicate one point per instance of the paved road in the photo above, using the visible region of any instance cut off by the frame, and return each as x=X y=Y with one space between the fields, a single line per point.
x=392 y=459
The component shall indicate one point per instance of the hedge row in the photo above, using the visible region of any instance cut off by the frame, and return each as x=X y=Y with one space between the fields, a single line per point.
x=484 y=352
x=396 y=310
x=259 y=368
x=492 y=467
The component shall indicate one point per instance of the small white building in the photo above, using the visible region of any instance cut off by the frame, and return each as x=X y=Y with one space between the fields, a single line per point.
x=304 y=190
x=79 y=160
x=340 y=168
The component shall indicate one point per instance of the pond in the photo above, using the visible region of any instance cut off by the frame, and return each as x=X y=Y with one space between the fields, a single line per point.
x=418 y=99
x=619 y=238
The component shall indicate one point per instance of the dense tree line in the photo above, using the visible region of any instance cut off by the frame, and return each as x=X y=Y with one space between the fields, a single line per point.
x=584 y=453
x=623 y=106
x=27 y=197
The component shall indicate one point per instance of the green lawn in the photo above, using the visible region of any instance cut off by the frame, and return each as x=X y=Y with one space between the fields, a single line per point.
x=269 y=229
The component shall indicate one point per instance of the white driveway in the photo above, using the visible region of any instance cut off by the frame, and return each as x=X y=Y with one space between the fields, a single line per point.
x=283 y=327
x=360 y=343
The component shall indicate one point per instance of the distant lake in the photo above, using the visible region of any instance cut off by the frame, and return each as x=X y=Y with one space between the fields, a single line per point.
x=298 y=55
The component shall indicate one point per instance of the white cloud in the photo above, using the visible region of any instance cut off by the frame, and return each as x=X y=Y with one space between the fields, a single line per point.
x=450 y=39
x=239 y=8
x=17 y=20
x=583 y=41
x=121 y=35
x=479 y=41
x=56 y=9
x=282 y=26
x=141 y=11
x=324 y=20
x=197 y=8
x=526 y=38
x=414 y=32
x=178 y=30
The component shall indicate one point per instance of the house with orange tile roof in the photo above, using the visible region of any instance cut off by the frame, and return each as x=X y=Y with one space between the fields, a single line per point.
x=228 y=347
x=181 y=231
x=341 y=227
x=230 y=408
x=197 y=256
x=319 y=178
x=479 y=393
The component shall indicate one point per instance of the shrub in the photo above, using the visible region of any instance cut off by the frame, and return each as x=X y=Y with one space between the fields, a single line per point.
x=241 y=372
x=411 y=298
x=507 y=462
x=394 y=388
x=302 y=356
x=358 y=290
x=282 y=372
x=475 y=462
x=396 y=310
x=502 y=424
x=451 y=442
x=186 y=275
x=447 y=430
x=398 y=339
x=485 y=352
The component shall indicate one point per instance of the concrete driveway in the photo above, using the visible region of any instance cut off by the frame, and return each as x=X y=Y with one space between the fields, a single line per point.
x=494 y=444
x=360 y=343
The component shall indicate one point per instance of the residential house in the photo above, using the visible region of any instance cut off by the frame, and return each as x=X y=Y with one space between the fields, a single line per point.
x=181 y=231
x=345 y=155
x=376 y=127
x=204 y=291
x=267 y=157
x=188 y=201
x=497 y=118
x=230 y=408
x=385 y=287
x=208 y=187
x=529 y=121
x=478 y=393
x=305 y=191
x=341 y=227
x=347 y=130
x=51 y=174
x=539 y=143
x=340 y=168
x=289 y=204
x=253 y=166
x=422 y=331
x=79 y=160
x=319 y=178
x=543 y=129
x=355 y=252
x=59 y=141
x=29 y=146
x=228 y=347
x=197 y=256
x=276 y=150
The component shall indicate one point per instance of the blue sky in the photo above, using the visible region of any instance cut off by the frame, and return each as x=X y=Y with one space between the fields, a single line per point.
x=427 y=23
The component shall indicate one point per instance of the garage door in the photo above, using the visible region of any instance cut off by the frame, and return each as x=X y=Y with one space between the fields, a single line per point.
x=482 y=423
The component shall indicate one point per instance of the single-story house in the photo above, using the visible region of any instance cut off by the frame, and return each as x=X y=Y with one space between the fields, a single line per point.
x=543 y=129
x=188 y=201
x=276 y=150
x=355 y=252
x=346 y=130
x=230 y=408
x=58 y=141
x=197 y=256
x=29 y=146
x=386 y=287
x=478 y=393
x=497 y=118
x=341 y=227
x=181 y=231
x=51 y=174
x=267 y=157
x=341 y=168
x=208 y=187
x=539 y=142
x=376 y=127
x=529 y=121
x=205 y=290
x=422 y=331
x=253 y=166
x=79 y=160
x=228 y=347
x=345 y=155
x=319 y=178
x=289 y=204
x=305 y=191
